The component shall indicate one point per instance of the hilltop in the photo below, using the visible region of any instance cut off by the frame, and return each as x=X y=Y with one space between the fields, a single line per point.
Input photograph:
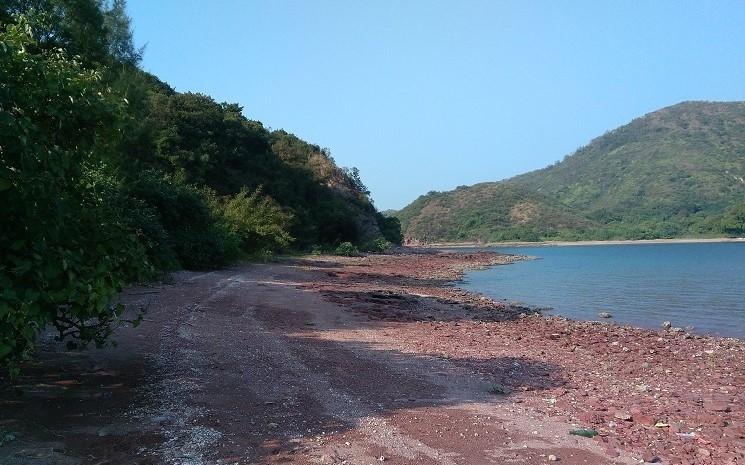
x=671 y=173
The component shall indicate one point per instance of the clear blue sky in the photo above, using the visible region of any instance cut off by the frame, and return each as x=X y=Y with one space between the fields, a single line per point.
x=429 y=95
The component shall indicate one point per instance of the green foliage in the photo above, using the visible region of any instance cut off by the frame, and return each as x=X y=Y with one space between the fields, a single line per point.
x=65 y=248
x=190 y=229
x=489 y=212
x=257 y=221
x=671 y=173
x=6 y=437
x=379 y=245
x=201 y=142
x=347 y=249
x=733 y=222
x=83 y=28
x=662 y=175
x=109 y=176
x=390 y=228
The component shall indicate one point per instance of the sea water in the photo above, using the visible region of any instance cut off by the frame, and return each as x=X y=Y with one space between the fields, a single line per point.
x=699 y=285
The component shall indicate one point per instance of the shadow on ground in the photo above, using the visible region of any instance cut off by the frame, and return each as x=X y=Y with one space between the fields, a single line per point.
x=265 y=378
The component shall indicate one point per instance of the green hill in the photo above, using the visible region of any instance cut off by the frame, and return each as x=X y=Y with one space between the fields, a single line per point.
x=671 y=173
x=109 y=176
x=489 y=211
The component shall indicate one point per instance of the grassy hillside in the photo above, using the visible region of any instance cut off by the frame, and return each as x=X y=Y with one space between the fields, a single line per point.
x=671 y=173
x=490 y=212
x=671 y=170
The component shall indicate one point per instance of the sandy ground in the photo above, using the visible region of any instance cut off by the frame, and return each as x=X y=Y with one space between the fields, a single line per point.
x=370 y=360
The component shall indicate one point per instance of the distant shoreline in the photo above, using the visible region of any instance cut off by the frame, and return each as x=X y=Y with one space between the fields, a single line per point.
x=579 y=243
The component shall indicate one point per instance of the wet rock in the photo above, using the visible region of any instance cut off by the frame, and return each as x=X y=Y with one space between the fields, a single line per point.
x=605 y=315
x=666 y=325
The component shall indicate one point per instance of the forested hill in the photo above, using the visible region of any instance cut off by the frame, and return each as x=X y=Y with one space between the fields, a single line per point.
x=109 y=176
x=488 y=212
x=679 y=171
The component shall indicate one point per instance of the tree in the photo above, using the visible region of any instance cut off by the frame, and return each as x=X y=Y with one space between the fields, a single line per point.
x=257 y=221
x=64 y=248
x=733 y=222
x=119 y=34
x=95 y=31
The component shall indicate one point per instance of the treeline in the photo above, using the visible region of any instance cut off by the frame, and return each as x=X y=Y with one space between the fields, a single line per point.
x=109 y=176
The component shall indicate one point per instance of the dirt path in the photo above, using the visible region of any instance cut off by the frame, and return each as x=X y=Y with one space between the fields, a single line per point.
x=298 y=362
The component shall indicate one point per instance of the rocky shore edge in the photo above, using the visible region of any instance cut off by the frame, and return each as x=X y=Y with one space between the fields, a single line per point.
x=664 y=396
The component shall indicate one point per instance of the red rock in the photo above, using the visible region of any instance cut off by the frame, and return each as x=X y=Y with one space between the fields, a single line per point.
x=645 y=420
x=624 y=416
x=717 y=406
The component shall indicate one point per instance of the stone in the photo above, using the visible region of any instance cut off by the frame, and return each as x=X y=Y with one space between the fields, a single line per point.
x=651 y=458
x=624 y=416
x=553 y=458
x=666 y=325
x=715 y=406
x=605 y=315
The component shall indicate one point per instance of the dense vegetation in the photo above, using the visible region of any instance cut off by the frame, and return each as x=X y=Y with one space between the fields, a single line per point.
x=671 y=173
x=489 y=211
x=109 y=176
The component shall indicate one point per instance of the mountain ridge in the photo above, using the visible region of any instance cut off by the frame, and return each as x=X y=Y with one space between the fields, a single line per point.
x=670 y=173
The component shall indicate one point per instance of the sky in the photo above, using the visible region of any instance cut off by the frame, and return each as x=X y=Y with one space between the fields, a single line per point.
x=431 y=95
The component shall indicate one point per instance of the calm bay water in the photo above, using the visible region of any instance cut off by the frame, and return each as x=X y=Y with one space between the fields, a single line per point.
x=700 y=285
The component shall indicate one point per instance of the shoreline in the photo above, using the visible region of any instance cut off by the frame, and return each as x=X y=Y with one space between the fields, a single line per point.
x=648 y=392
x=480 y=245
x=324 y=359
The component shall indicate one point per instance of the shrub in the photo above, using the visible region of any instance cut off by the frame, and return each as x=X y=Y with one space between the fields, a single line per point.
x=257 y=221
x=347 y=249
x=195 y=233
x=379 y=245
x=390 y=228
x=733 y=222
x=64 y=249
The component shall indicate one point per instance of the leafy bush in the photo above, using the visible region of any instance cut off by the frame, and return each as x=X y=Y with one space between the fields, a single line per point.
x=379 y=245
x=390 y=228
x=733 y=223
x=347 y=249
x=257 y=221
x=108 y=176
x=64 y=248
x=194 y=232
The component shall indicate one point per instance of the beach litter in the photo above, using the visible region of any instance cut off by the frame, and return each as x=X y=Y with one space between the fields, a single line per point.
x=584 y=432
